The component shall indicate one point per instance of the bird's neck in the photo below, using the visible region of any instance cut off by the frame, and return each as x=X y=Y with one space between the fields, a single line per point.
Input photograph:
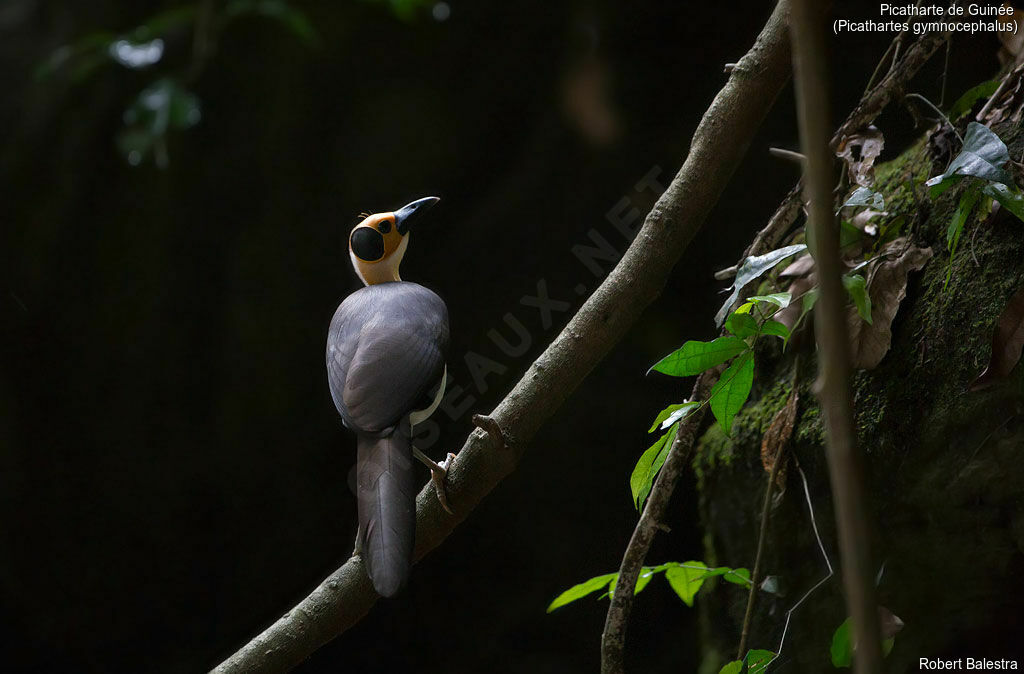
x=383 y=271
x=374 y=273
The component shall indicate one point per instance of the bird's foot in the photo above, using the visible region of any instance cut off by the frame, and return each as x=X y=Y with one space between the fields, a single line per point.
x=438 y=476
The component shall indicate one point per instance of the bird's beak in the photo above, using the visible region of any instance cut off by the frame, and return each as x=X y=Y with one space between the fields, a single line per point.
x=410 y=213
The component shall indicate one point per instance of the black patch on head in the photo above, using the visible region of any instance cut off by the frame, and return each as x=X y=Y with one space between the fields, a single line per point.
x=384 y=226
x=367 y=244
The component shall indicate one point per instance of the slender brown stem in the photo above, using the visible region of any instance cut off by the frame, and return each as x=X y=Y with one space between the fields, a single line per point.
x=845 y=461
x=762 y=536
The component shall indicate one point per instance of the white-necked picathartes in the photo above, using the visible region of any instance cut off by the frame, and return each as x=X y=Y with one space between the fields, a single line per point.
x=386 y=367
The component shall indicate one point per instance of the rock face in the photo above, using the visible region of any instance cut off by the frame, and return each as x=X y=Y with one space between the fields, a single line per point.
x=944 y=466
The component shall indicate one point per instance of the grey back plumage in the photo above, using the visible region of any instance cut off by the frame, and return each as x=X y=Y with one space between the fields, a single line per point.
x=385 y=352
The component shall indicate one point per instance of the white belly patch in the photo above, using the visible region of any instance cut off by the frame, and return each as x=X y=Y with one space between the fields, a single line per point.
x=419 y=416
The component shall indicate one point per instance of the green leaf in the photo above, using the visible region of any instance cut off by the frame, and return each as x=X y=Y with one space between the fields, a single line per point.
x=734 y=667
x=739 y=577
x=645 y=576
x=694 y=357
x=856 y=287
x=810 y=298
x=1009 y=198
x=758 y=661
x=849 y=235
x=982 y=156
x=741 y=325
x=807 y=302
x=781 y=300
x=647 y=467
x=686 y=582
x=963 y=210
x=843 y=644
x=965 y=103
x=672 y=414
x=842 y=648
x=752 y=268
x=865 y=196
x=582 y=590
x=732 y=390
x=775 y=329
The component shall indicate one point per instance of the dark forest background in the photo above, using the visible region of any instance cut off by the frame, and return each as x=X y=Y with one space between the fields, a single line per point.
x=173 y=474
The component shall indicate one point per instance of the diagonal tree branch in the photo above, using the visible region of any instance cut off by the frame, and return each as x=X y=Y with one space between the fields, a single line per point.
x=844 y=459
x=718 y=146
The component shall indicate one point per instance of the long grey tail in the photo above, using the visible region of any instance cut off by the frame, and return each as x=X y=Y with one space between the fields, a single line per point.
x=386 y=492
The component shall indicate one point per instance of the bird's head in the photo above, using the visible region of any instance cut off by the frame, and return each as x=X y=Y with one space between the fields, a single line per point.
x=378 y=243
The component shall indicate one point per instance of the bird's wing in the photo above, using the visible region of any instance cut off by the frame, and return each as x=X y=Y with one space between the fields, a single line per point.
x=388 y=343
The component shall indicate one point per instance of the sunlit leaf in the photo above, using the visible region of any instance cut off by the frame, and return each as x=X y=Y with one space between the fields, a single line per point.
x=694 y=357
x=734 y=667
x=732 y=389
x=582 y=590
x=750 y=269
x=647 y=467
x=645 y=576
x=737 y=577
x=686 y=581
x=781 y=300
x=674 y=413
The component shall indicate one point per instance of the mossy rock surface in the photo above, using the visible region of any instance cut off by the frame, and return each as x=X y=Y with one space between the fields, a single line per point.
x=944 y=466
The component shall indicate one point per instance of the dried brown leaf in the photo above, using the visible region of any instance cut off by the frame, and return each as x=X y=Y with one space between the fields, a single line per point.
x=862 y=221
x=777 y=435
x=889 y=622
x=887 y=287
x=859 y=152
x=800 y=267
x=1007 y=343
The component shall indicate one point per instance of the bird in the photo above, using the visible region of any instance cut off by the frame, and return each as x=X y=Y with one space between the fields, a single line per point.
x=386 y=350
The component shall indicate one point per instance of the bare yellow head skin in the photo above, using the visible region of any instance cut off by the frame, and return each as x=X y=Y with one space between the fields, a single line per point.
x=377 y=244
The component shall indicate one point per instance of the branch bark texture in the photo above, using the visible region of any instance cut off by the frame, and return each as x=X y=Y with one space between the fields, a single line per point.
x=845 y=461
x=730 y=123
x=718 y=146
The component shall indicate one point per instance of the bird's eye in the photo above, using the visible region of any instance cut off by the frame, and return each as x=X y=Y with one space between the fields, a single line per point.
x=384 y=226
